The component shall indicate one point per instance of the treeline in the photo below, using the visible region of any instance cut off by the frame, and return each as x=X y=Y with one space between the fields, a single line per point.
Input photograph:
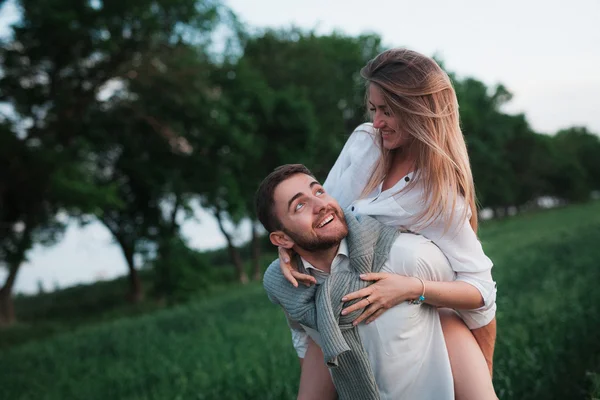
x=129 y=113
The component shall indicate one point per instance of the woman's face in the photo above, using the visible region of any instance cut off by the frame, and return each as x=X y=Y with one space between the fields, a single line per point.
x=385 y=121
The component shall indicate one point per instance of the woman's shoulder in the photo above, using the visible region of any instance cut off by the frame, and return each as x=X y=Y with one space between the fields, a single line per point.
x=364 y=131
x=351 y=171
x=362 y=141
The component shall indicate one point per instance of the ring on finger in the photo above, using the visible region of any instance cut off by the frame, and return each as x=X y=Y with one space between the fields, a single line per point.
x=368 y=301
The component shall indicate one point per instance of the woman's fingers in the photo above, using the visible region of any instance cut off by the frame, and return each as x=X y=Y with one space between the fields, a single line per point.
x=358 y=294
x=304 y=278
x=284 y=255
x=288 y=274
x=373 y=276
x=286 y=268
x=357 y=306
x=376 y=315
x=366 y=314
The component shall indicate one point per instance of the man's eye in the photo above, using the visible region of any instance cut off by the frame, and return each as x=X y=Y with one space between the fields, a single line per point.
x=299 y=206
x=320 y=192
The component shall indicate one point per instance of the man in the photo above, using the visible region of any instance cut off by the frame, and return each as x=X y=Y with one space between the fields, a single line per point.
x=402 y=354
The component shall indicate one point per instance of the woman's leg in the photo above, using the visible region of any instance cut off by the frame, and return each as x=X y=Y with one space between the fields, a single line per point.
x=315 y=380
x=472 y=379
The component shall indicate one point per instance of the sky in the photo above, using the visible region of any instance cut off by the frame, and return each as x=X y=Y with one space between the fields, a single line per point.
x=547 y=53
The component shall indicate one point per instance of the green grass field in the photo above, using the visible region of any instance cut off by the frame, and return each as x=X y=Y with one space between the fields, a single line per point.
x=236 y=345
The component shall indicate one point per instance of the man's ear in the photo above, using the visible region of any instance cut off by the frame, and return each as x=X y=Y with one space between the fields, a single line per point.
x=280 y=239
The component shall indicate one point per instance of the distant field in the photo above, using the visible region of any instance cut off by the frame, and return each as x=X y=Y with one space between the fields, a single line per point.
x=236 y=345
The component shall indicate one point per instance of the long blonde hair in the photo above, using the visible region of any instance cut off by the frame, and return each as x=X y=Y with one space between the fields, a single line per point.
x=421 y=97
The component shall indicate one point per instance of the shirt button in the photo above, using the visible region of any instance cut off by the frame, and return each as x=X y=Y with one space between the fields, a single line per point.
x=406 y=178
x=352 y=208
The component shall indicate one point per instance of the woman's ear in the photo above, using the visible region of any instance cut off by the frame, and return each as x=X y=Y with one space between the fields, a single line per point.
x=280 y=239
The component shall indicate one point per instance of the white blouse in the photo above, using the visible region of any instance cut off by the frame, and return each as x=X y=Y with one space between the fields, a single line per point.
x=397 y=207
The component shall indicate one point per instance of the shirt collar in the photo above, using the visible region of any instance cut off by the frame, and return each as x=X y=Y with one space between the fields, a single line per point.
x=341 y=253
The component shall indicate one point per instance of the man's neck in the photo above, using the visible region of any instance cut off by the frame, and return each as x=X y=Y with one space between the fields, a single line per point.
x=321 y=259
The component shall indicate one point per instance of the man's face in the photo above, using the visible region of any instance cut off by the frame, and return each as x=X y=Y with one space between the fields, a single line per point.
x=310 y=217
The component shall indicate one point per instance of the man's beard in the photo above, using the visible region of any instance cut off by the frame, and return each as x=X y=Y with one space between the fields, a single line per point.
x=314 y=244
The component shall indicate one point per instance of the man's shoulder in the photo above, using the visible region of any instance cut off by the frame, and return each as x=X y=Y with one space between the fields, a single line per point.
x=409 y=251
x=272 y=280
x=411 y=240
x=275 y=282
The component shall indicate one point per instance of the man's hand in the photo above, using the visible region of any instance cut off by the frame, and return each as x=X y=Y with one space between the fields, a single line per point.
x=486 y=339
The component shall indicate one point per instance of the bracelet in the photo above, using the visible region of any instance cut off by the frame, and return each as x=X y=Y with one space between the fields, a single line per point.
x=421 y=298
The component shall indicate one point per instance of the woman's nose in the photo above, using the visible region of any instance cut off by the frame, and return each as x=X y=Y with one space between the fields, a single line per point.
x=378 y=122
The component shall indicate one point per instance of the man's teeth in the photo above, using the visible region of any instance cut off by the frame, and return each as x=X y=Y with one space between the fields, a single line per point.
x=326 y=221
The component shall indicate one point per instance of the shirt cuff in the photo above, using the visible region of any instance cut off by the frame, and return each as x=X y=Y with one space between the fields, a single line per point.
x=483 y=315
x=479 y=318
x=484 y=283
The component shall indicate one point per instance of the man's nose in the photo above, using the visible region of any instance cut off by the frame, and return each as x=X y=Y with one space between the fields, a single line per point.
x=319 y=205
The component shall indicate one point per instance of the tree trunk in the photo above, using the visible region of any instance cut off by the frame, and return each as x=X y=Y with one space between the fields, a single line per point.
x=256 y=253
x=233 y=252
x=135 y=284
x=7 y=310
x=136 y=293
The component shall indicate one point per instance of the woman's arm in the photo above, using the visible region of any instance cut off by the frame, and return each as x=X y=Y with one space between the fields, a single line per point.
x=458 y=295
x=390 y=290
x=315 y=380
x=464 y=251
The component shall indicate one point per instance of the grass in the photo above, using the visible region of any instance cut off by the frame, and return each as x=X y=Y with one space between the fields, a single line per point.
x=235 y=345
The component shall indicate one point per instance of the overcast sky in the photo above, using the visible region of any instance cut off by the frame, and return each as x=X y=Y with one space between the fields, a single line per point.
x=547 y=53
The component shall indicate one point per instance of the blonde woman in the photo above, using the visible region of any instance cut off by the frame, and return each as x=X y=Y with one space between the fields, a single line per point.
x=410 y=169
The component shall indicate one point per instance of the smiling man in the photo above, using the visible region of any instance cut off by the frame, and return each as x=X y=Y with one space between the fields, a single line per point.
x=400 y=355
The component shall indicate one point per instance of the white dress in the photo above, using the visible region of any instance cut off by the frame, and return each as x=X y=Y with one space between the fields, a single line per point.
x=459 y=243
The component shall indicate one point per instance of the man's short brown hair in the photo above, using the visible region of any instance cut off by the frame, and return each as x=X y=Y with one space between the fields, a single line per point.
x=265 y=195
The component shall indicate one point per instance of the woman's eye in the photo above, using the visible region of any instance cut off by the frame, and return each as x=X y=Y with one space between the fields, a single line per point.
x=387 y=114
x=372 y=109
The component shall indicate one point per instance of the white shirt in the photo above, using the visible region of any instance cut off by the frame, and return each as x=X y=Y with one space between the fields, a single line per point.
x=405 y=345
x=394 y=207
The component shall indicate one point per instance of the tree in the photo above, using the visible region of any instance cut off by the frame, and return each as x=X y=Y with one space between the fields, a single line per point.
x=35 y=183
x=324 y=70
x=583 y=147
x=56 y=66
x=274 y=107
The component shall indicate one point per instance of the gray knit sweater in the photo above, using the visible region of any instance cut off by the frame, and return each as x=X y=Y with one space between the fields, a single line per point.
x=319 y=306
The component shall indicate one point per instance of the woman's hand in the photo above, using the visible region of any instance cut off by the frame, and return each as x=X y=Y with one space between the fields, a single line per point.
x=290 y=272
x=388 y=291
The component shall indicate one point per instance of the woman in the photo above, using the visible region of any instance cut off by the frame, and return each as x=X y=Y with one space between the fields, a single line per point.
x=410 y=169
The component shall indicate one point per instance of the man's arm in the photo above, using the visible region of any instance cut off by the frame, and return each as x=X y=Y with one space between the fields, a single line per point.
x=315 y=380
x=486 y=339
